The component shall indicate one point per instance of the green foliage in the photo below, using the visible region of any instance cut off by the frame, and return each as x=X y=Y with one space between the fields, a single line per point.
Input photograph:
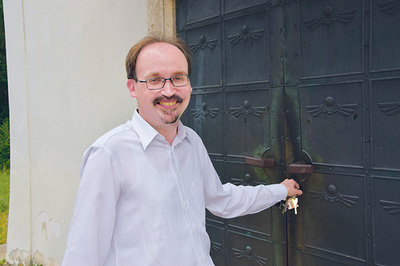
x=5 y=145
x=4 y=190
x=4 y=112
x=4 y=204
x=4 y=138
x=4 y=262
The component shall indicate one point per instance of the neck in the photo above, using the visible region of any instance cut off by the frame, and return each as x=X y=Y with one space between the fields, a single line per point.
x=169 y=132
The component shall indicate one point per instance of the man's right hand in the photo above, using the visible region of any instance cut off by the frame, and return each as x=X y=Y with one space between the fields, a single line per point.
x=292 y=187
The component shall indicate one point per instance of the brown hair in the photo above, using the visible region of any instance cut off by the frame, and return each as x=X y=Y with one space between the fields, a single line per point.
x=133 y=54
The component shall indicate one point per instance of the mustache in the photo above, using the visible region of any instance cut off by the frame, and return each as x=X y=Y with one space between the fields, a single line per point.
x=173 y=97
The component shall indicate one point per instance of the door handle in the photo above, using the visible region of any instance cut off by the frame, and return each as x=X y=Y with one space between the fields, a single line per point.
x=260 y=162
x=301 y=168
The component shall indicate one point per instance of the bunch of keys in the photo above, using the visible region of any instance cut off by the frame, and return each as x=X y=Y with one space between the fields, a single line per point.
x=290 y=203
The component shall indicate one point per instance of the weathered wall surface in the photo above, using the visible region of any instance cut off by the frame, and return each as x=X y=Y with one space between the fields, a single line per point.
x=67 y=87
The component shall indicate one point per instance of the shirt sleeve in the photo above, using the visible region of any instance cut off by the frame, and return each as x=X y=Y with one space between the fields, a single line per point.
x=92 y=225
x=229 y=200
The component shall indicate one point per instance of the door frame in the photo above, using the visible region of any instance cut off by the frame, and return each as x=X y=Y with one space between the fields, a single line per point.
x=161 y=17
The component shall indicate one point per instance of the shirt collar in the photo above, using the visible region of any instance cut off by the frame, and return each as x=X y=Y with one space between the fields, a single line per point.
x=147 y=133
x=182 y=134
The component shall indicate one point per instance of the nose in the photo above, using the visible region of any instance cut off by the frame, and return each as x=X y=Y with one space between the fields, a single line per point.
x=168 y=90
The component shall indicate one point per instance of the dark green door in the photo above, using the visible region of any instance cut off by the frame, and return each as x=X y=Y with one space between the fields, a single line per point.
x=303 y=84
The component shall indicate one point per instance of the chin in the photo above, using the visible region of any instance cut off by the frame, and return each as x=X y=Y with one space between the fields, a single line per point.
x=171 y=120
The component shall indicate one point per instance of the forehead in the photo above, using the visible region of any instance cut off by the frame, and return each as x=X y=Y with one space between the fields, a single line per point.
x=161 y=55
x=159 y=46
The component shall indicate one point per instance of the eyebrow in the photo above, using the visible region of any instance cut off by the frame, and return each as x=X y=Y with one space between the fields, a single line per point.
x=157 y=74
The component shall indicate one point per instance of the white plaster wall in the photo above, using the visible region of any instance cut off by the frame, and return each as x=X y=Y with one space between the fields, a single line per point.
x=67 y=87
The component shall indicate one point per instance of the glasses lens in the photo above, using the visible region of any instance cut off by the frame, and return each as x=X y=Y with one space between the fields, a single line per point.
x=155 y=83
x=180 y=80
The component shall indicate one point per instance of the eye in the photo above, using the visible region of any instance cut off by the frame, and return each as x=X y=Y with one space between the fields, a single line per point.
x=179 y=78
x=155 y=80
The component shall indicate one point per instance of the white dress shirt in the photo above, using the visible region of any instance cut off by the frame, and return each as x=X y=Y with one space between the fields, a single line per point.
x=142 y=201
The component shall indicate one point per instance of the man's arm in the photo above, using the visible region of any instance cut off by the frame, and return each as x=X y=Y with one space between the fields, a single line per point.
x=92 y=225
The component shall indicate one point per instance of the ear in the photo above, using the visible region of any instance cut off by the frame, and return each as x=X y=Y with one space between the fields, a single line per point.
x=131 y=84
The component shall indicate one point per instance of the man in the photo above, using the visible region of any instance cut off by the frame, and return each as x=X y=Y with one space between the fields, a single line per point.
x=145 y=184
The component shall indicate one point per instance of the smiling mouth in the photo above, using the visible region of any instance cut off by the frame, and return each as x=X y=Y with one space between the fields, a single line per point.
x=167 y=102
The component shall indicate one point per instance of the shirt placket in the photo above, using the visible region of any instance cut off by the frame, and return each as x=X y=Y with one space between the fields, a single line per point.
x=185 y=204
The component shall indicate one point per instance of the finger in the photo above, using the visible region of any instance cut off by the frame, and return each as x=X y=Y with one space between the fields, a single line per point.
x=295 y=184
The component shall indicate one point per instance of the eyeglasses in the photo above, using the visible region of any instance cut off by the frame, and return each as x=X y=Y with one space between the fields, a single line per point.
x=157 y=83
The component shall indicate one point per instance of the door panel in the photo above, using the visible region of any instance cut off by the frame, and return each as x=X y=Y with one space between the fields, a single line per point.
x=247 y=39
x=234 y=108
x=339 y=91
x=333 y=217
x=385 y=129
x=386 y=219
x=312 y=82
x=237 y=5
x=331 y=42
x=206 y=116
x=385 y=34
x=198 y=10
x=326 y=102
x=205 y=44
x=385 y=110
x=332 y=123
x=242 y=253
x=247 y=121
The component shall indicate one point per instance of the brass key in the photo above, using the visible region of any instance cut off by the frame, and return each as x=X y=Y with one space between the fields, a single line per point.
x=290 y=203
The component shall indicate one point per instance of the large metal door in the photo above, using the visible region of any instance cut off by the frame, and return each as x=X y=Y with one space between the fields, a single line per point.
x=281 y=87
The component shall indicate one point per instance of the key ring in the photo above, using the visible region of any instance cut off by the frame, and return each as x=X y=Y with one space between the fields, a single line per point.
x=290 y=203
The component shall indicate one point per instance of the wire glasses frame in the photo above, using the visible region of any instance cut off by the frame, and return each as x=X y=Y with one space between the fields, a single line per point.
x=157 y=83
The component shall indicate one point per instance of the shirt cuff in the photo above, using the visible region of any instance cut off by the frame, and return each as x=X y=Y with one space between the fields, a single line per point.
x=281 y=191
